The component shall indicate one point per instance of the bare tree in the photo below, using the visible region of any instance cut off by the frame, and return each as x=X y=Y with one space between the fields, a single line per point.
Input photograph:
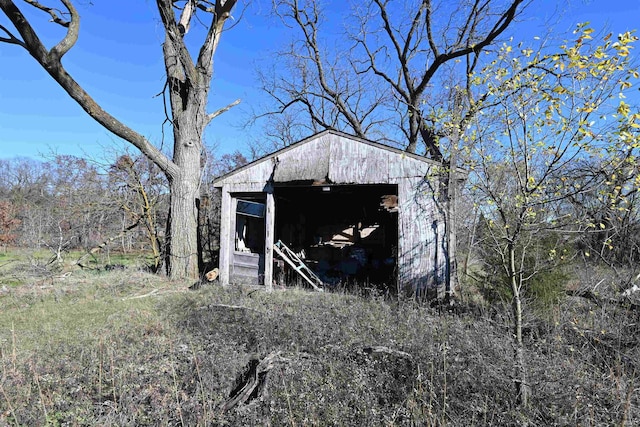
x=385 y=71
x=139 y=187
x=188 y=81
x=314 y=82
x=26 y=184
x=8 y=223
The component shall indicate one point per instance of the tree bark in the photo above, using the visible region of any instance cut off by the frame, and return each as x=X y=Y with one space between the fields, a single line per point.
x=183 y=240
x=185 y=190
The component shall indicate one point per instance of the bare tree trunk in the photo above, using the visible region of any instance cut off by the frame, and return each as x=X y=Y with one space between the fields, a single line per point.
x=183 y=243
x=451 y=224
x=523 y=390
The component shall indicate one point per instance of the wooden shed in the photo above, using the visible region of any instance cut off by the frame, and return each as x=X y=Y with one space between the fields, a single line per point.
x=352 y=209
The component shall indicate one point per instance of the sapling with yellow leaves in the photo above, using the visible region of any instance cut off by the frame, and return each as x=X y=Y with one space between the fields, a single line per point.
x=544 y=117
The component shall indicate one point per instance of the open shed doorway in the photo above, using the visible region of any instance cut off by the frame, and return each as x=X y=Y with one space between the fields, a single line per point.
x=248 y=244
x=347 y=234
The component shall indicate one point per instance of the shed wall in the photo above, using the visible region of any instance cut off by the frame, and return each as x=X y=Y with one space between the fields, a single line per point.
x=421 y=258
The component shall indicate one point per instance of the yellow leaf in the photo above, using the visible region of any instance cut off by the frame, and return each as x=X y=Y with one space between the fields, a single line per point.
x=623 y=109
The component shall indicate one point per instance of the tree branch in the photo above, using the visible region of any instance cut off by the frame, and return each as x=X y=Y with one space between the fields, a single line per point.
x=50 y=61
x=31 y=41
x=185 y=17
x=73 y=29
x=222 y=110
x=498 y=28
x=11 y=39
x=174 y=46
x=221 y=13
x=54 y=13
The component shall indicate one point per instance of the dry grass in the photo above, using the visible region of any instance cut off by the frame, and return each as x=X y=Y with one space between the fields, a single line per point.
x=85 y=350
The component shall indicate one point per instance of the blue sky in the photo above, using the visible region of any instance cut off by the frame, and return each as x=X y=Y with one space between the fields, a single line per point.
x=118 y=61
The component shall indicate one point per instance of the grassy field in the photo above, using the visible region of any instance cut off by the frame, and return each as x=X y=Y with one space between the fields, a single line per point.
x=130 y=348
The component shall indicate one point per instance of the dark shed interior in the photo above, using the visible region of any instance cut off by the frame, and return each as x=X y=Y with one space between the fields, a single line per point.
x=344 y=233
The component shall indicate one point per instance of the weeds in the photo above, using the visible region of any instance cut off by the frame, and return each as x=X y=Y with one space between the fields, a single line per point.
x=128 y=348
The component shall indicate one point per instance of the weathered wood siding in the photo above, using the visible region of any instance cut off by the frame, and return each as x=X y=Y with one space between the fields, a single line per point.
x=308 y=164
x=342 y=159
x=245 y=268
x=421 y=260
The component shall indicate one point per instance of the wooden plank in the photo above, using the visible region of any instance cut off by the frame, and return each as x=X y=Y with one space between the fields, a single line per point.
x=268 y=241
x=246 y=187
x=245 y=268
x=224 y=260
x=404 y=166
x=231 y=240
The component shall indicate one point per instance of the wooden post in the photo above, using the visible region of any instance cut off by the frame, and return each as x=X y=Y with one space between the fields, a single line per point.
x=225 y=237
x=270 y=218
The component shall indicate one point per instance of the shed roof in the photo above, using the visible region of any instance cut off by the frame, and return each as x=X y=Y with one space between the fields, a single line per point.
x=334 y=156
